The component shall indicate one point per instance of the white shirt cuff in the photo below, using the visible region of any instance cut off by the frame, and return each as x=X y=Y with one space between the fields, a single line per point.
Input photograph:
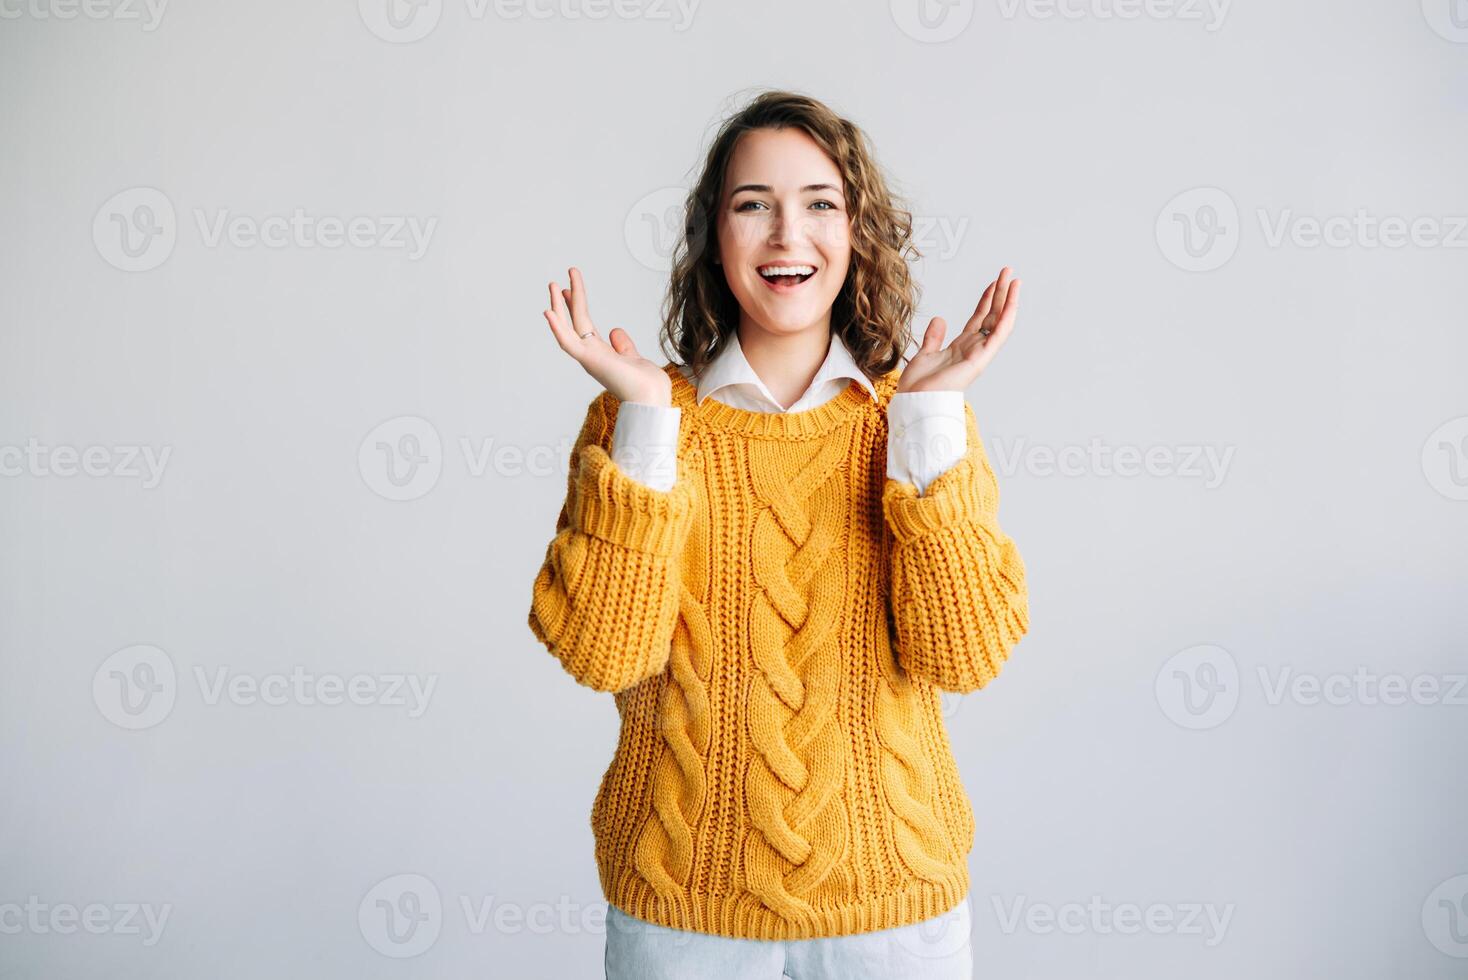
x=926 y=434
x=645 y=443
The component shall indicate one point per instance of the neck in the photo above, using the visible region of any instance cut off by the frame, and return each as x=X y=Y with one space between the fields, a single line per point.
x=786 y=362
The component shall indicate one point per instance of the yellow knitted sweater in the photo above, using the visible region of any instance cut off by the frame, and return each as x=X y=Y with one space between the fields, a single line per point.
x=776 y=629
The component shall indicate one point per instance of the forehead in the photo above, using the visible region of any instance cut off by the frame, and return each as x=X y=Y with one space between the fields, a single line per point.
x=783 y=158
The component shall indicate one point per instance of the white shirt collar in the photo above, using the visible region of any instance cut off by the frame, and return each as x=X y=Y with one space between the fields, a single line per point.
x=731 y=367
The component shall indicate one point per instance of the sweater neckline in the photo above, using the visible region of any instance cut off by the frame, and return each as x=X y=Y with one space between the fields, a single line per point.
x=809 y=423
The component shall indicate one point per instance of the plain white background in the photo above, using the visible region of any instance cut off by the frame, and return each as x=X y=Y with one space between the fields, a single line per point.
x=1234 y=456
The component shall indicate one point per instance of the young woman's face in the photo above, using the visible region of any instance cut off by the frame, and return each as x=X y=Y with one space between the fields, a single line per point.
x=784 y=207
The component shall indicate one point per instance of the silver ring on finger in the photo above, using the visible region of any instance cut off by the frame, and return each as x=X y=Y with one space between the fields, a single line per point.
x=588 y=333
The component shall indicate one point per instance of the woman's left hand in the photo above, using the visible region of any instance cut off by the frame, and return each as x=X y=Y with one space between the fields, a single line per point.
x=953 y=368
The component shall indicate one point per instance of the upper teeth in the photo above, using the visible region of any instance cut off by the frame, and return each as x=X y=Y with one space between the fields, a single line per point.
x=788 y=270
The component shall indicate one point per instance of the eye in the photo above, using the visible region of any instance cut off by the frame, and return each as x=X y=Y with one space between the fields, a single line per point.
x=747 y=204
x=828 y=205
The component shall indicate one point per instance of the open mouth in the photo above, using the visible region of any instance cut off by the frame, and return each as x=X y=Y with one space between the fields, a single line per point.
x=783 y=278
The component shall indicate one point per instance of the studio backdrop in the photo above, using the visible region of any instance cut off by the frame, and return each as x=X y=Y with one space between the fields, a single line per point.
x=284 y=435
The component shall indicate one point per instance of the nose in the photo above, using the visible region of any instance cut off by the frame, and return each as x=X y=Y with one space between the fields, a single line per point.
x=790 y=225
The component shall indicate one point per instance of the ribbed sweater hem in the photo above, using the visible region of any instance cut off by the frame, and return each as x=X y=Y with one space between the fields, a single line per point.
x=743 y=917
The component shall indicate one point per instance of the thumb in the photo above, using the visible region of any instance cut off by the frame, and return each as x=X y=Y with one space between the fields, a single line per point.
x=933 y=337
x=621 y=342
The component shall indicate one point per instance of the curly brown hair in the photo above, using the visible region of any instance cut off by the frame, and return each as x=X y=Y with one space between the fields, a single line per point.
x=871 y=314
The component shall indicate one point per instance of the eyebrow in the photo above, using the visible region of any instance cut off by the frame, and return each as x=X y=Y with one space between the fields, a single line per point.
x=766 y=188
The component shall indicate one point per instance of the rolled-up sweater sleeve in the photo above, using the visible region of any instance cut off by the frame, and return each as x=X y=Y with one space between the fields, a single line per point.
x=605 y=600
x=958 y=597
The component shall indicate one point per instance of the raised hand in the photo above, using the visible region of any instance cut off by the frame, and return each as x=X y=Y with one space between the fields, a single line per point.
x=953 y=368
x=614 y=362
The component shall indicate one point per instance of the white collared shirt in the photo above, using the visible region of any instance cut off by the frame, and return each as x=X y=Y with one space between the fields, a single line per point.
x=926 y=430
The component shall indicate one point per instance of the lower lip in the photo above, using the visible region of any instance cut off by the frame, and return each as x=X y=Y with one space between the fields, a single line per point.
x=790 y=287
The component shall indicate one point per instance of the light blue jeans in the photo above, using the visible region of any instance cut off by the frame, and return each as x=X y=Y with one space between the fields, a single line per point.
x=934 y=949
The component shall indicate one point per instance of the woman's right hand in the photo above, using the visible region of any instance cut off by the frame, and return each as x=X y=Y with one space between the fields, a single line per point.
x=616 y=364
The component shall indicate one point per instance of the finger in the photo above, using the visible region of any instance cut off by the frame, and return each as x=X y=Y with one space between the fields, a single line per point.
x=569 y=313
x=1011 y=307
x=933 y=336
x=580 y=314
x=559 y=320
x=621 y=342
x=1005 y=325
x=576 y=329
x=1001 y=289
x=982 y=353
x=555 y=328
x=985 y=301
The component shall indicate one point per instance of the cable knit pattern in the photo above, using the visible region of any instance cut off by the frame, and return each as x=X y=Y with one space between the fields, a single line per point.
x=799 y=828
x=665 y=849
x=782 y=770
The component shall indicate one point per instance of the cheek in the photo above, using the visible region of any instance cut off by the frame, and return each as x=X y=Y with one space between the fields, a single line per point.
x=835 y=241
x=838 y=251
x=739 y=237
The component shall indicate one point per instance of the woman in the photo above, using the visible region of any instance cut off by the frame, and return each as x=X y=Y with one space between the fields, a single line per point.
x=776 y=551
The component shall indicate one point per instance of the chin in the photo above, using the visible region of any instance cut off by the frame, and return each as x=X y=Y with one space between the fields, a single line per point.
x=791 y=321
